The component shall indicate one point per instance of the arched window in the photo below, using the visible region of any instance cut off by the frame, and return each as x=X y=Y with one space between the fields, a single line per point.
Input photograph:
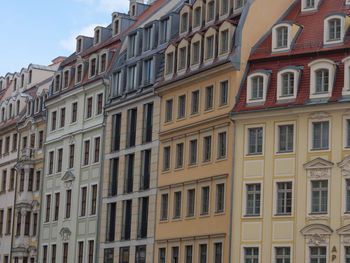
x=282 y=37
x=334 y=29
x=321 y=80
x=257 y=87
x=287 y=84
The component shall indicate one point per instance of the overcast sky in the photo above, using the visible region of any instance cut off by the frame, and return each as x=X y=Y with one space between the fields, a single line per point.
x=40 y=30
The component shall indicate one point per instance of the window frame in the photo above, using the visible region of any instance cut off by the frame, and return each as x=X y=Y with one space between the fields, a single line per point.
x=275 y=198
x=315 y=66
x=247 y=128
x=292 y=70
x=277 y=137
x=311 y=130
x=326 y=25
x=266 y=79
x=245 y=195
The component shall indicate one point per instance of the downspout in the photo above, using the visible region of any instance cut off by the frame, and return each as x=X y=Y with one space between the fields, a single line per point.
x=105 y=82
x=41 y=190
x=232 y=184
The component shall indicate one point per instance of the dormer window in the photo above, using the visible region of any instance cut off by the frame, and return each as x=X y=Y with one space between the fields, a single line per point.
x=334 y=29
x=321 y=78
x=182 y=58
x=22 y=80
x=287 y=83
x=165 y=30
x=197 y=17
x=93 y=63
x=148 y=71
x=133 y=10
x=7 y=81
x=14 y=84
x=132 y=77
x=170 y=63
x=184 y=23
x=97 y=37
x=210 y=47
x=224 y=7
x=66 y=79
x=309 y=5
x=79 y=73
x=18 y=106
x=282 y=37
x=79 y=45
x=30 y=76
x=195 y=52
x=224 y=41
x=3 y=114
x=10 y=111
x=257 y=87
x=211 y=11
x=57 y=83
x=103 y=63
x=147 y=42
x=0 y=85
x=132 y=45
x=117 y=82
x=116 y=27
x=239 y=3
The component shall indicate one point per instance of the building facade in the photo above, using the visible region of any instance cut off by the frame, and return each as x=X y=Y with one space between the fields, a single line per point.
x=203 y=70
x=291 y=193
x=16 y=89
x=132 y=127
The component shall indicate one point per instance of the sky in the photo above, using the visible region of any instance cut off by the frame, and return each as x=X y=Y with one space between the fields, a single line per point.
x=39 y=31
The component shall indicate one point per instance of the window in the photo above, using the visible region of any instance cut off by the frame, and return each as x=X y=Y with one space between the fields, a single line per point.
x=93 y=67
x=111 y=215
x=179 y=155
x=132 y=77
x=132 y=45
x=116 y=123
x=193 y=152
x=48 y=207
x=177 y=205
x=203 y=253
x=347 y=201
x=223 y=99
x=287 y=84
x=117 y=82
x=322 y=80
x=131 y=128
x=181 y=110
x=71 y=156
x=255 y=140
x=57 y=83
x=45 y=254
x=224 y=41
x=12 y=180
x=142 y=217
x=37 y=180
x=319 y=197
x=196 y=53
x=4 y=177
x=188 y=254
x=347 y=254
x=191 y=198
x=286 y=138
x=74 y=112
x=211 y=11
x=140 y=254
x=169 y=110
x=282 y=37
x=91 y=251
x=224 y=9
x=27 y=223
x=209 y=97
x=197 y=17
x=147 y=124
x=309 y=4
x=162 y=255
x=147 y=41
x=205 y=200
x=318 y=254
x=195 y=102
x=9 y=220
x=170 y=63
x=166 y=158
x=284 y=198
x=175 y=255
x=218 y=252
x=320 y=138
x=220 y=198
x=65 y=79
x=145 y=169
x=99 y=103
x=97 y=150
x=57 y=206
x=35 y=224
x=129 y=173
x=108 y=255
x=207 y=149
x=86 y=152
x=51 y=154
x=19 y=224
x=116 y=27
x=1 y=221
x=210 y=47
x=53 y=120
x=184 y=22
x=103 y=62
x=182 y=58
x=253 y=201
x=148 y=73
x=164 y=207
x=251 y=255
x=221 y=145
x=80 y=251
x=65 y=252
x=21 y=181
x=126 y=220
x=113 y=177
x=79 y=73
x=334 y=29
x=93 y=199
x=165 y=30
x=68 y=202
x=89 y=108
x=257 y=87
x=83 y=197
x=59 y=160
x=282 y=254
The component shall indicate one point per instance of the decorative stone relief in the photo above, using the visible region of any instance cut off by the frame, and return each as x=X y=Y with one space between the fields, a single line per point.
x=319 y=115
x=317 y=234
x=345 y=166
x=68 y=179
x=318 y=168
x=65 y=234
x=316 y=239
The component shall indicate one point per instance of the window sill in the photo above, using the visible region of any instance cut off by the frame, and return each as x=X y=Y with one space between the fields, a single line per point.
x=179 y=168
x=251 y=216
x=285 y=152
x=166 y=171
x=206 y=162
x=192 y=165
x=192 y=217
x=283 y=215
x=195 y=114
x=181 y=118
x=204 y=215
x=163 y=221
x=223 y=106
x=221 y=159
x=208 y=110
x=176 y=219
x=254 y=155
x=219 y=213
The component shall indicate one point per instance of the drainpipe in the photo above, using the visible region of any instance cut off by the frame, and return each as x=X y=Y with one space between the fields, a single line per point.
x=105 y=82
x=232 y=184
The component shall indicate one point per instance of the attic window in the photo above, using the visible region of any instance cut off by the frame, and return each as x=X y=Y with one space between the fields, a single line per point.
x=22 y=80
x=7 y=81
x=116 y=27
x=147 y=38
x=133 y=10
x=321 y=78
x=15 y=84
x=170 y=63
x=184 y=22
x=30 y=76
x=79 y=45
x=57 y=83
x=195 y=52
x=93 y=67
x=79 y=73
x=182 y=57
x=257 y=87
x=97 y=37
x=0 y=85
x=309 y=5
x=211 y=11
x=281 y=37
x=165 y=30
x=65 y=79
x=197 y=17
x=103 y=62
x=132 y=45
x=224 y=7
x=239 y=3
x=224 y=41
x=210 y=47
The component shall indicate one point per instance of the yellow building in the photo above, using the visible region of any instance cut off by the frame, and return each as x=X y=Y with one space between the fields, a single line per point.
x=292 y=138
x=203 y=70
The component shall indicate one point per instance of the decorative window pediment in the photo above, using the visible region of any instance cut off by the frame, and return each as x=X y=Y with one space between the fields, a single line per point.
x=68 y=179
x=344 y=232
x=318 y=168
x=345 y=166
x=317 y=234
